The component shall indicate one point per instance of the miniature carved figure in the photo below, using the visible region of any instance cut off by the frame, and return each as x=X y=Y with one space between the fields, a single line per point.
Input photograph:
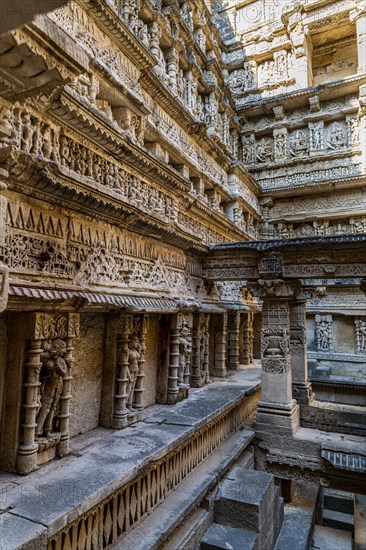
x=324 y=332
x=133 y=369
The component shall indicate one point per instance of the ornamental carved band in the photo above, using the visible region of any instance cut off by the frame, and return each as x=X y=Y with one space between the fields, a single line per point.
x=275 y=350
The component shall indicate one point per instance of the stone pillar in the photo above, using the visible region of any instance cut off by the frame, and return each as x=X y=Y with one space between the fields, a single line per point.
x=362 y=123
x=120 y=410
x=233 y=333
x=173 y=376
x=63 y=447
x=196 y=352
x=247 y=337
x=172 y=65
x=218 y=344
x=4 y=272
x=138 y=403
x=27 y=451
x=301 y=387
x=277 y=411
x=358 y=16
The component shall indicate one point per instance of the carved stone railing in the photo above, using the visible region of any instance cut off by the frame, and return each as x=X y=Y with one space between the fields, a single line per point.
x=117 y=514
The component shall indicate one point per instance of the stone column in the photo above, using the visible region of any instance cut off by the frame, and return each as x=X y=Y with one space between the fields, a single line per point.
x=218 y=344
x=362 y=123
x=277 y=411
x=247 y=337
x=138 y=402
x=120 y=411
x=4 y=272
x=173 y=388
x=196 y=351
x=358 y=16
x=172 y=65
x=301 y=387
x=233 y=332
x=63 y=447
x=27 y=451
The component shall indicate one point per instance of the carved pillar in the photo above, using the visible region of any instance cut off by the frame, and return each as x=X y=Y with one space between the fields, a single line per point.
x=172 y=65
x=64 y=413
x=120 y=410
x=138 y=403
x=4 y=272
x=233 y=332
x=218 y=344
x=180 y=357
x=247 y=337
x=27 y=452
x=301 y=387
x=173 y=371
x=196 y=351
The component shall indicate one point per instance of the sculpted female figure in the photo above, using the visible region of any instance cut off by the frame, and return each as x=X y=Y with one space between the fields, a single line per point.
x=56 y=367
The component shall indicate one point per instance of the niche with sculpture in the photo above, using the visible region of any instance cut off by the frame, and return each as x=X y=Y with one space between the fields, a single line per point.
x=44 y=427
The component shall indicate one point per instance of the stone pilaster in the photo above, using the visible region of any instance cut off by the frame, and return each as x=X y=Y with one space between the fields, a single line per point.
x=233 y=333
x=301 y=387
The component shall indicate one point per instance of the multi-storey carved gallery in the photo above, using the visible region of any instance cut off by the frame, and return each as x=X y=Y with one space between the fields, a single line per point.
x=183 y=275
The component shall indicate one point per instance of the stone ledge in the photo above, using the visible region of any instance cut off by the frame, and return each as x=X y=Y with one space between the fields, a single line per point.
x=66 y=489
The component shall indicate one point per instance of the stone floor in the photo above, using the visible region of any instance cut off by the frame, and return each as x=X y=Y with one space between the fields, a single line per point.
x=103 y=460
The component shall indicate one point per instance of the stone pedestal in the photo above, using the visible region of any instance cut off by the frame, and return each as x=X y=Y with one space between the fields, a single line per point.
x=249 y=501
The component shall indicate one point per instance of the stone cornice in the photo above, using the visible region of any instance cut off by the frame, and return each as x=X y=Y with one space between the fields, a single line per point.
x=294 y=99
x=321 y=186
x=42 y=179
x=124 y=37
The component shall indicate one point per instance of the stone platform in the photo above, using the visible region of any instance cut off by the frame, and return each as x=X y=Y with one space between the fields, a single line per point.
x=113 y=479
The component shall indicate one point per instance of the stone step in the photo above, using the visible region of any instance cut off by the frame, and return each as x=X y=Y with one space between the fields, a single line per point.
x=360 y=522
x=224 y=537
x=339 y=501
x=326 y=538
x=338 y=520
x=159 y=527
x=299 y=517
